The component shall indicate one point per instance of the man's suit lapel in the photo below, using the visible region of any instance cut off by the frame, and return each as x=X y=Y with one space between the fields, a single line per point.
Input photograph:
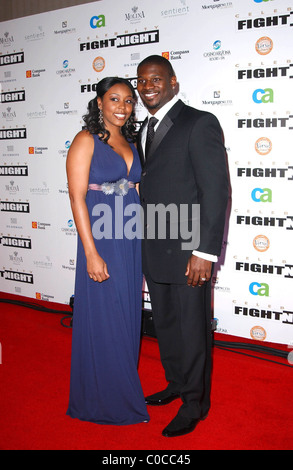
x=162 y=130
x=164 y=127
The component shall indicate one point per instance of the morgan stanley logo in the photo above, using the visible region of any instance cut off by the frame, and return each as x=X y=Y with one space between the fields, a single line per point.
x=157 y=221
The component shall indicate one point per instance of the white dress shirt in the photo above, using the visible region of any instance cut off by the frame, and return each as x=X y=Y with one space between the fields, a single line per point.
x=160 y=114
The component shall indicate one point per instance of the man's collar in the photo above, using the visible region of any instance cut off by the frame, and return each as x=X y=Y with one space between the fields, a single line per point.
x=161 y=113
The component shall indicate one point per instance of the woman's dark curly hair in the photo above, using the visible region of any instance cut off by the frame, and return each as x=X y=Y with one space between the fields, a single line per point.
x=91 y=119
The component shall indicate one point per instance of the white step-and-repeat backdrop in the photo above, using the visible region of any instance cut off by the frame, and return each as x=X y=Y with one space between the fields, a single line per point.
x=232 y=58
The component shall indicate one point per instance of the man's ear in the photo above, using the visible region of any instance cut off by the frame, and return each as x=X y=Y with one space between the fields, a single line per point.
x=173 y=81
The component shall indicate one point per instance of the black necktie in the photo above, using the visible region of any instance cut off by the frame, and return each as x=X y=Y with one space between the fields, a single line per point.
x=150 y=134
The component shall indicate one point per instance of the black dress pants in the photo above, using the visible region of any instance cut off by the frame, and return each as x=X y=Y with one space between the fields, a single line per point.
x=183 y=323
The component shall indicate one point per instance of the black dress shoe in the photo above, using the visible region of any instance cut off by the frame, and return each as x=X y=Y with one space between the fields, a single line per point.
x=180 y=426
x=161 y=398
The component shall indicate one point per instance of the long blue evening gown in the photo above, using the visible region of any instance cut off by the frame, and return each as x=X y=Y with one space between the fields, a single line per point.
x=105 y=387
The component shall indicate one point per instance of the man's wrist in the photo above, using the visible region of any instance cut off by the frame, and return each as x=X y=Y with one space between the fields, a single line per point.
x=205 y=256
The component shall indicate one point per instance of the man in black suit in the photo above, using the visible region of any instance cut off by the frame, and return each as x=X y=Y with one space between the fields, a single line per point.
x=185 y=165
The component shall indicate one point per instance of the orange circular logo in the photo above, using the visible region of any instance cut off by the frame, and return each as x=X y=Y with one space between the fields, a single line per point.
x=99 y=64
x=263 y=146
x=258 y=333
x=261 y=243
x=264 y=45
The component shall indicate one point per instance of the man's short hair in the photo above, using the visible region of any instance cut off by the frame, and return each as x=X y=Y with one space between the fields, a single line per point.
x=158 y=60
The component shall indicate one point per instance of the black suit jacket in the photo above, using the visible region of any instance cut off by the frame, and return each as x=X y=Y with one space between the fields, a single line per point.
x=186 y=165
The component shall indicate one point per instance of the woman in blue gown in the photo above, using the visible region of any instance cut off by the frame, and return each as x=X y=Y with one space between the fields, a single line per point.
x=103 y=169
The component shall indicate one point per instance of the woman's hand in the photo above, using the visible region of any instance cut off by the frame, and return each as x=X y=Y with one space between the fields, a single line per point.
x=97 y=268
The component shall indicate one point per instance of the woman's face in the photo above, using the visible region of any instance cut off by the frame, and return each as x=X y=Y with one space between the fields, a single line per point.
x=117 y=105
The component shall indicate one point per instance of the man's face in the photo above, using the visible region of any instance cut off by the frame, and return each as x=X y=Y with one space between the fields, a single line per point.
x=155 y=86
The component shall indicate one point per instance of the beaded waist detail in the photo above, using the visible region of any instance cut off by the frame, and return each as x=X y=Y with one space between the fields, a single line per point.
x=120 y=187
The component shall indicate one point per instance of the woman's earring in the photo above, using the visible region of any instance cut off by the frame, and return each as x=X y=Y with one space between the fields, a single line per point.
x=101 y=120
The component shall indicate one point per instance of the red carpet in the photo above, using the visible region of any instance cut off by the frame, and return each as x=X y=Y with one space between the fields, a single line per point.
x=251 y=398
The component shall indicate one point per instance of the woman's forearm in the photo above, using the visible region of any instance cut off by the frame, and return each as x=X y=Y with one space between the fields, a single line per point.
x=83 y=225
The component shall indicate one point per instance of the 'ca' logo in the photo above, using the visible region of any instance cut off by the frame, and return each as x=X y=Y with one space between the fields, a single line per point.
x=97 y=21
x=263 y=290
x=261 y=195
x=263 y=96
